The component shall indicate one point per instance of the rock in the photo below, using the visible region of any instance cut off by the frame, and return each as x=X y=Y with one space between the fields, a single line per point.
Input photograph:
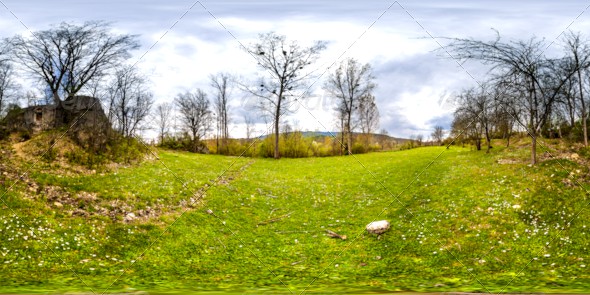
x=129 y=217
x=58 y=204
x=378 y=227
x=574 y=156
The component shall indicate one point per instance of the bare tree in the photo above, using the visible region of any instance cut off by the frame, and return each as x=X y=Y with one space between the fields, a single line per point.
x=195 y=115
x=8 y=86
x=438 y=134
x=419 y=139
x=568 y=102
x=68 y=56
x=130 y=100
x=221 y=83
x=283 y=63
x=349 y=84
x=467 y=119
x=249 y=126
x=368 y=116
x=163 y=117
x=579 y=61
x=531 y=71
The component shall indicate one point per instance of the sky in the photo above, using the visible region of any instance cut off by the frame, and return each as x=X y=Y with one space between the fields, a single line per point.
x=183 y=42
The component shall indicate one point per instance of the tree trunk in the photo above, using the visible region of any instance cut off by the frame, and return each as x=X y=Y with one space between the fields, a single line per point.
x=349 y=135
x=277 y=118
x=56 y=99
x=534 y=150
x=488 y=140
x=533 y=128
x=584 y=113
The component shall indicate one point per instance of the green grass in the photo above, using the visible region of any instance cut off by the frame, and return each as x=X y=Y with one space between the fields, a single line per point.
x=460 y=222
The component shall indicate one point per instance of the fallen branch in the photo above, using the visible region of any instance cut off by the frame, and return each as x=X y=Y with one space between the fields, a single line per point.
x=332 y=234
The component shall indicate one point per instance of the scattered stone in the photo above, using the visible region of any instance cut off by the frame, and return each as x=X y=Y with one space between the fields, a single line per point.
x=377 y=257
x=574 y=156
x=58 y=204
x=378 y=227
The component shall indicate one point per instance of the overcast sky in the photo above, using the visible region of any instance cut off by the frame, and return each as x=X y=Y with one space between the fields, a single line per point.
x=414 y=81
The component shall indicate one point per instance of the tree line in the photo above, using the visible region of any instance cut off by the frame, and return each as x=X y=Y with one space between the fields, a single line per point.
x=525 y=91
x=72 y=59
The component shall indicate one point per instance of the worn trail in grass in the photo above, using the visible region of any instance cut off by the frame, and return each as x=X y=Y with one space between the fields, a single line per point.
x=466 y=223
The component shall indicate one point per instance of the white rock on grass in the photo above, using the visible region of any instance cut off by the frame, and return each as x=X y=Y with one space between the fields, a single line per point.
x=129 y=217
x=378 y=227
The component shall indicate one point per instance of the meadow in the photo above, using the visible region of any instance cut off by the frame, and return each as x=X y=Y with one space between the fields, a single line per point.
x=461 y=220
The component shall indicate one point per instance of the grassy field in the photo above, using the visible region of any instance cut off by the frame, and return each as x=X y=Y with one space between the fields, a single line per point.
x=461 y=220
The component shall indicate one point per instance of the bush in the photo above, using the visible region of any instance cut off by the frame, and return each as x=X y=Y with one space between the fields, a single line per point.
x=51 y=153
x=358 y=148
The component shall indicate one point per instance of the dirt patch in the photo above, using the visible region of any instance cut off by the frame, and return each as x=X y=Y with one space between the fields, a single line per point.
x=87 y=204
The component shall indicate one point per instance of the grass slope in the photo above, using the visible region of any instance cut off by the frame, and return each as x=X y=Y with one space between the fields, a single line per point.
x=460 y=222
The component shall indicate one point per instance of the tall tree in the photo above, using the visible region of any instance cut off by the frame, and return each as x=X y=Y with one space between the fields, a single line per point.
x=163 y=117
x=249 y=126
x=531 y=71
x=368 y=116
x=221 y=84
x=283 y=63
x=349 y=84
x=578 y=54
x=8 y=85
x=438 y=134
x=475 y=114
x=67 y=56
x=195 y=115
x=130 y=100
